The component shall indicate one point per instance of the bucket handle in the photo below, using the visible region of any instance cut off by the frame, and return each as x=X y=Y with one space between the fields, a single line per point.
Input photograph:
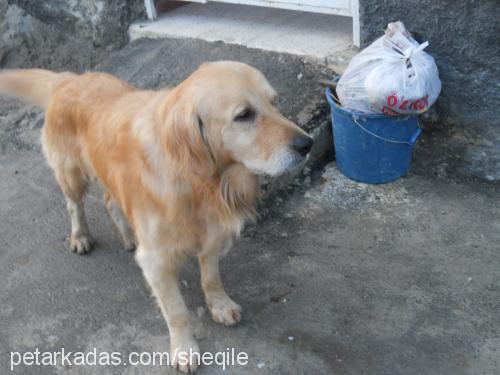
x=411 y=142
x=329 y=97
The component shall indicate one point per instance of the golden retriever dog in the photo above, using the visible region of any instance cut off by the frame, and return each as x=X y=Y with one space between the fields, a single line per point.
x=179 y=168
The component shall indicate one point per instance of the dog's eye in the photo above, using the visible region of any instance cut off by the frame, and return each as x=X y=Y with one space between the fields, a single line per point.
x=245 y=115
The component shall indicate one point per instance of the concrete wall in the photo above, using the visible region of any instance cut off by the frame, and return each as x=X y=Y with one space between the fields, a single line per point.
x=70 y=34
x=102 y=21
x=463 y=37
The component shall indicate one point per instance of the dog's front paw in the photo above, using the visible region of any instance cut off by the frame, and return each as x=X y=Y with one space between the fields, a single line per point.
x=225 y=311
x=185 y=356
x=81 y=243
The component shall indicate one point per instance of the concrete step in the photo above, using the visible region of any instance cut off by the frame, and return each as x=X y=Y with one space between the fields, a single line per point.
x=322 y=38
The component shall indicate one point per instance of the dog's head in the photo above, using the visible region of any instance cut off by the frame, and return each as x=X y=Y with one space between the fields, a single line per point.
x=224 y=113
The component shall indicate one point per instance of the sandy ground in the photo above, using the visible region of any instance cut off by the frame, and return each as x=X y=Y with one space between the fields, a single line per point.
x=337 y=277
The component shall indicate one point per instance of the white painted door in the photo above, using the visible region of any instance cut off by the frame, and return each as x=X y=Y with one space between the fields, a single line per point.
x=349 y=8
x=332 y=4
x=340 y=7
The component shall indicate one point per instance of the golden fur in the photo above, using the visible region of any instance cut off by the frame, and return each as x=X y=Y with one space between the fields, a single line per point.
x=179 y=168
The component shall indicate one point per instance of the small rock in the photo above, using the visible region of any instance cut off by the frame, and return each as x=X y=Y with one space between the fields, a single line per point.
x=291 y=338
x=261 y=365
x=288 y=215
x=306 y=171
x=284 y=234
x=200 y=311
x=185 y=283
x=299 y=76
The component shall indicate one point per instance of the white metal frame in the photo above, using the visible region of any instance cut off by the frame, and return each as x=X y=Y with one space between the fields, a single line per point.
x=352 y=10
x=150 y=9
x=356 y=27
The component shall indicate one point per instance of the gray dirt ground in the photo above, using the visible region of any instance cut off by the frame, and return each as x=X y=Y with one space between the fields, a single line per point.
x=336 y=278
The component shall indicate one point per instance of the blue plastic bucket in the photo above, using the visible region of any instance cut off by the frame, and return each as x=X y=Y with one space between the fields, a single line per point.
x=372 y=148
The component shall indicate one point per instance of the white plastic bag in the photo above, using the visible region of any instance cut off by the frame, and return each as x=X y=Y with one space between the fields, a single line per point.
x=393 y=75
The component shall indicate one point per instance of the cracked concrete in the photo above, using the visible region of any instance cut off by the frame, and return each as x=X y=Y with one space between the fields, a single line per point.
x=337 y=277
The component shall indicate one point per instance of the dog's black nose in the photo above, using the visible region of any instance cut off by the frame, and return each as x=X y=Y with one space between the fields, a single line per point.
x=302 y=144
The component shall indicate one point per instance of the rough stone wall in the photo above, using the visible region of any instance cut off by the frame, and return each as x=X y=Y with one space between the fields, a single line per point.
x=463 y=37
x=102 y=21
x=57 y=34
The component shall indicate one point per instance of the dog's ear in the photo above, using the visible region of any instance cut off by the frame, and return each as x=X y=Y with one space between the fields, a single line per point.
x=182 y=135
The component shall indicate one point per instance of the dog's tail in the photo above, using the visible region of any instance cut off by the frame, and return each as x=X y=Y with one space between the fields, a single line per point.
x=32 y=85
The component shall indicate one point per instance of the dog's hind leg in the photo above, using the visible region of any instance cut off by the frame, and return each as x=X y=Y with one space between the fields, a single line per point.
x=64 y=156
x=223 y=309
x=121 y=223
x=74 y=185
